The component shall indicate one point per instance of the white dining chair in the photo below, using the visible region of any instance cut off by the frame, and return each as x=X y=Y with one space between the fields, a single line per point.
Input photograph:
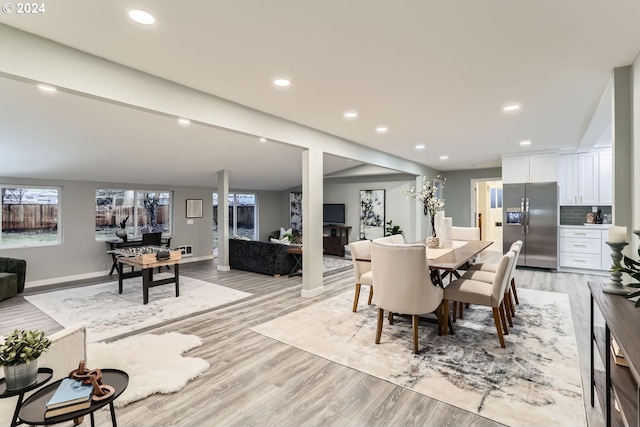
x=477 y=292
x=403 y=284
x=361 y=250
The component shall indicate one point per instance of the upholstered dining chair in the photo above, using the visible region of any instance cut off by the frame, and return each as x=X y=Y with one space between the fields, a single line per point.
x=394 y=238
x=403 y=284
x=465 y=233
x=493 y=268
x=362 y=269
x=477 y=292
x=488 y=275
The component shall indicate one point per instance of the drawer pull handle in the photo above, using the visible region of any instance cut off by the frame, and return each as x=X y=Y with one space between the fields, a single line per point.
x=580 y=234
x=580 y=260
x=580 y=246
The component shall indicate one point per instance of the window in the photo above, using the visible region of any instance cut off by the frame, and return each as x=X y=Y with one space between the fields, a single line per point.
x=496 y=198
x=139 y=211
x=30 y=216
x=242 y=216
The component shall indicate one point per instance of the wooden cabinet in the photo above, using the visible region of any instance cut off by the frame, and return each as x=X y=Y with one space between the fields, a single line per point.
x=616 y=387
x=585 y=178
x=334 y=238
x=530 y=168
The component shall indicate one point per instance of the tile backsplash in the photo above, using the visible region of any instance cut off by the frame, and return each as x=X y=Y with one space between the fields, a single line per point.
x=577 y=215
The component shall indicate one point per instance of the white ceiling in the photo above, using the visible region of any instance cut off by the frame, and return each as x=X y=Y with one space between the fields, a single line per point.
x=436 y=72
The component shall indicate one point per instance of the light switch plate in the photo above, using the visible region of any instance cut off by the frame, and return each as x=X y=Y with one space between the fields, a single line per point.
x=190 y=221
x=594 y=209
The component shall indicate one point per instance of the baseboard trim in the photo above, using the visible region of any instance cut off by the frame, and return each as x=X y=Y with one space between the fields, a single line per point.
x=54 y=280
x=224 y=268
x=310 y=293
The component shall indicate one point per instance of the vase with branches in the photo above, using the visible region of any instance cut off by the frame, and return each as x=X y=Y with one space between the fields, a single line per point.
x=428 y=195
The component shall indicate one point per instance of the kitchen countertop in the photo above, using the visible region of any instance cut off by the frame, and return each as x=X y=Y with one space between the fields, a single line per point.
x=594 y=226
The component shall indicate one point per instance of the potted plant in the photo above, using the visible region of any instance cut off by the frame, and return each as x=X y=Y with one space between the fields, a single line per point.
x=392 y=229
x=19 y=356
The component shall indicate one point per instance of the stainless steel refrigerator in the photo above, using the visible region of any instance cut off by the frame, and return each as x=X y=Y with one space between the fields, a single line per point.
x=530 y=214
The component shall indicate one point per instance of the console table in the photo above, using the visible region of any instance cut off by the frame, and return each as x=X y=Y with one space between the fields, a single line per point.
x=334 y=241
x=616 y=383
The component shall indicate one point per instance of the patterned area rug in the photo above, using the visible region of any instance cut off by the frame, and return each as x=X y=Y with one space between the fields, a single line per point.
x=333 y=265
x=108 y=314
x=535 y=380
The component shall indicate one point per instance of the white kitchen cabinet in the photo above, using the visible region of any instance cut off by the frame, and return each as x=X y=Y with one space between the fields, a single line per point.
x=567 y=182
x=583 y=247
x=585 y=178
x=530 y=168
x=605 y=176
x=607 y=262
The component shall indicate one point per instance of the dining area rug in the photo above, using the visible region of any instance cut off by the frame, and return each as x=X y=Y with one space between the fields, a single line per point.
x=535 y=380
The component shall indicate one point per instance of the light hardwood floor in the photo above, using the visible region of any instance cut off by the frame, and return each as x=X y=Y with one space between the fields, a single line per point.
x=254 y=380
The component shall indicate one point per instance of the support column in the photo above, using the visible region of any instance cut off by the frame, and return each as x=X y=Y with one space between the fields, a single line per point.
x=622 y=152
x=312 y=196
x=223 y=220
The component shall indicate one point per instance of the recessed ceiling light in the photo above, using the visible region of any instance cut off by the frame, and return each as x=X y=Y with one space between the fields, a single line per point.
x=350 y=114
x=47 y=88
x=184 y=122
x=281 y=82
x=263 y=140
x=141 y=17
x=382 y=129
x=512 y=107
x=420 y=146
x=444 y=157
x=525 y=143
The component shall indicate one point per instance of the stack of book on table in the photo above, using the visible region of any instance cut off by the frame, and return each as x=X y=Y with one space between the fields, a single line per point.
x=617 y=353
x=70 y=396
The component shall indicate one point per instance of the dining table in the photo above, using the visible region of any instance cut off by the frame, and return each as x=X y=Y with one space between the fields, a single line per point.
x=447 y=261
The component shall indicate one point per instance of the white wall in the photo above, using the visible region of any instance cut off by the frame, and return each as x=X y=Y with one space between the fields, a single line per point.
x=80 y=255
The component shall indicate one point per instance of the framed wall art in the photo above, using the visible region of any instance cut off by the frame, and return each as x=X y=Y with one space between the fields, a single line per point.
x=371 y=214
x=295 y=202
x=194 y=208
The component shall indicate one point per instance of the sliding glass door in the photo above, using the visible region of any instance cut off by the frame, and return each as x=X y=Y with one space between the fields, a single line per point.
x=242 y=216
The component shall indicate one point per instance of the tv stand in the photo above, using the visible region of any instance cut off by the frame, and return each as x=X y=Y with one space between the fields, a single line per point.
x=334 y=238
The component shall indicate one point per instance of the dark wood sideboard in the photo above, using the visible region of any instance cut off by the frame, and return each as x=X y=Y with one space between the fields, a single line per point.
x=617 y=383
x=334 y=238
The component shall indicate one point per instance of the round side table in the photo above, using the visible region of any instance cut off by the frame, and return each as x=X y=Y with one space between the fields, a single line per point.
x=33 y=409
x=44 y=375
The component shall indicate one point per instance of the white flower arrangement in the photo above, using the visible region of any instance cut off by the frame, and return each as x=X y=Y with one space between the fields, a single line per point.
x=427 y=195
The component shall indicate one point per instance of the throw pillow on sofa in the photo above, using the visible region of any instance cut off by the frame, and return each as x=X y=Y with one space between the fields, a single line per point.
x=284 y=232
x=283 y=241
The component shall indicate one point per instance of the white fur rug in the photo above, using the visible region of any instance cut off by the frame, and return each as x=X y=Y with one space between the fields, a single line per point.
x=154 y=363
x=109 y=314
x=534 y=381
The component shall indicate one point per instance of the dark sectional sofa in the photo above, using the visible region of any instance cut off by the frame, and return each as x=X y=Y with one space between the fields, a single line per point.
x=260 y=257
x=12 y=277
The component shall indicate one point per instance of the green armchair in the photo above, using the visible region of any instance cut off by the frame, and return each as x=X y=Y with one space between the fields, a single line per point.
x=12 y=277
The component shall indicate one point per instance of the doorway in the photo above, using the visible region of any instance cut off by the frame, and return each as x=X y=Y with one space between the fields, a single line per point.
x=487 y=208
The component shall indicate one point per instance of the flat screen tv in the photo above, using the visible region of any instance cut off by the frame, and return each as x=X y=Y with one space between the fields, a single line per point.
x=333 y=213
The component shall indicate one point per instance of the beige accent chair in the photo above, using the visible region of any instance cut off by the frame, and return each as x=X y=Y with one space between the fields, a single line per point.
x=477 y=292
x=362 y=269
x=397 y=239
x=403 y=284
x=465 y=233
x=487 y=276
x=68 y=348
x=493 y=267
